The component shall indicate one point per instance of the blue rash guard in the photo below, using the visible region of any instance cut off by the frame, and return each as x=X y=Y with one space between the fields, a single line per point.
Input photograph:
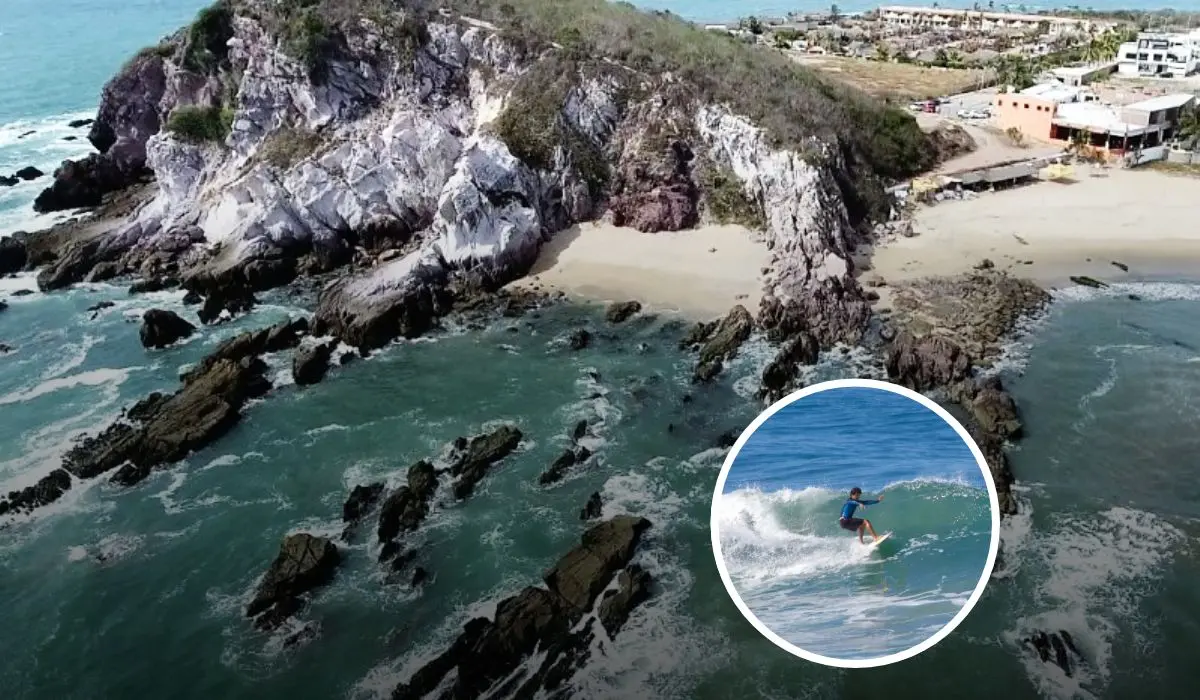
x=851 y=505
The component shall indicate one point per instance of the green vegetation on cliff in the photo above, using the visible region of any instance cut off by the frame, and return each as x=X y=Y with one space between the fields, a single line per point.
x=206 y=42
x=201 y=124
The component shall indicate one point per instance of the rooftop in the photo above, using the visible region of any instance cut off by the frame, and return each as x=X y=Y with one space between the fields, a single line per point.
x=1094 y=117
x=1081 y=71
x=951 y=12
x=1052 y=92
x=1155 y=104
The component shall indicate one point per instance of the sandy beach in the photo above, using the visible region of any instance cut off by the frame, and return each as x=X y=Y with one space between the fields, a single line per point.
x=1049 y=231
x=700 y=273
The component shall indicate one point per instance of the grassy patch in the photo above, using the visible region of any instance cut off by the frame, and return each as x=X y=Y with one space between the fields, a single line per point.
x=206 y=45
x=201 y=124
x=726 y=200
x=1184 y=169
x=898 y=81
x=312 y=30
x=533 y=127
x=287 y=146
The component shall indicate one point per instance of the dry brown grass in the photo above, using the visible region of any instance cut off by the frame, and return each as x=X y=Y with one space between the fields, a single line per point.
x=1183 y=169
x=900 y=81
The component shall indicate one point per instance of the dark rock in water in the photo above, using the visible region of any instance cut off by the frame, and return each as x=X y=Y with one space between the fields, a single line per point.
x=48 y=489
x=100 y=306
x=374 y=320
x=1134 y=297
x=927 y=362
x=235 y=300
x=633 y=589
x=580 y=339
x=1057 y=648
x=192 y=298
x=707 y=372
x=994 y=409
x=360 y=502
x=488 y=651
x=70 y=138
x=1120 y=265
x=420 y=575
x=619 y=312
x=21 y=293
x=779 y=377
x=697 y=335
x=163 y=429
x=12 y=255
x=154 y=284
x=594 y=507
x=72 y=266
x=304 y=562
x=82 y=183
x=311 y=363
x=346 y=358
x=28 y=173
x=26 y=134
x=985 y=264
x=483 y=451
x=5 y=349
x=406 y=507
x=6 y=181
x=162 y=328
x=565 y=461
x=580 y=430
x=3 y=305
x=1085 y=281
x=723 y=343
x=727 y=439
x=76 y=123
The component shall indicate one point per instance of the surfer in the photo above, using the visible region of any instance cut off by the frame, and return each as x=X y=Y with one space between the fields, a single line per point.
x=853 y=524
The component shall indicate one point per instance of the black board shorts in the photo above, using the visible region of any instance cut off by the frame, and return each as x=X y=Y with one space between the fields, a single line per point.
x=851 y=524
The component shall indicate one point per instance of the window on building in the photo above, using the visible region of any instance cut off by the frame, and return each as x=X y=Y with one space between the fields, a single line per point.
x=1026 y=105
x=1131 y=56
x=1158 y=56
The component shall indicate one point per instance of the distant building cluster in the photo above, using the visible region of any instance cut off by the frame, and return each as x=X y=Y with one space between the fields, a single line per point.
x=936 y=18
x=1156 y=55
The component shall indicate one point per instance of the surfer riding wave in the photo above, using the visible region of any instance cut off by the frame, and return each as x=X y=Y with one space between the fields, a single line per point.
x=853 y=524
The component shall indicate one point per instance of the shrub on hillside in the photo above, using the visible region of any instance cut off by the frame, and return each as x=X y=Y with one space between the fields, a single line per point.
x=208 y=37
x=199 y=124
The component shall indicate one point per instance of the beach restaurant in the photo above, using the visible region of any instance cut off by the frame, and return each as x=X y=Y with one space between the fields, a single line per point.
x=1063 y=114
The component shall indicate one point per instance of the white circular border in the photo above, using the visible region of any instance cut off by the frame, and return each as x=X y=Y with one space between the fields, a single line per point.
x=993 y=549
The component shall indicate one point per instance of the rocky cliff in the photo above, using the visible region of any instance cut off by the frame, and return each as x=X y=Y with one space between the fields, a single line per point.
x=432 y=153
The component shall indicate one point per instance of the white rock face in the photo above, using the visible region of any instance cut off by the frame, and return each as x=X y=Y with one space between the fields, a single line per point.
x=807 y=223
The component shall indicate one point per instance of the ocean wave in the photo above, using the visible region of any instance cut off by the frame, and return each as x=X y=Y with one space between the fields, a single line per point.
x=91 y=378
x=1146 y=291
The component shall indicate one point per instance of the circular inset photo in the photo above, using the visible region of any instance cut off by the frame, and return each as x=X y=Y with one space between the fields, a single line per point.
x=855 y=523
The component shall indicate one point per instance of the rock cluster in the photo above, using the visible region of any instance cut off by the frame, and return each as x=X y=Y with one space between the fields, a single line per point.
x=161 y=328
x=488 y=651
x=717 y=342
x=1057 y=648
x=160 y=428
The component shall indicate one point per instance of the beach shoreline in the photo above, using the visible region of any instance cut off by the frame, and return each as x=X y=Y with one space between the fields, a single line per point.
x=699 y=273
x=1110 y=225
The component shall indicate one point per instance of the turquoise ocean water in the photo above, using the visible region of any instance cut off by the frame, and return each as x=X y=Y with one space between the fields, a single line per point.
x=137 y=593
x=811 y=582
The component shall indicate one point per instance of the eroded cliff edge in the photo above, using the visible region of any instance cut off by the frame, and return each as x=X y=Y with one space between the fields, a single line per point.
x=430 y=151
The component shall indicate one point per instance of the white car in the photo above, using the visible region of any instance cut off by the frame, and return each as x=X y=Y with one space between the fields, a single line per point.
x=972 y=114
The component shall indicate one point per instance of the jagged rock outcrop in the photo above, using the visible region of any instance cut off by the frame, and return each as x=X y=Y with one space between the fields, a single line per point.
x=406 y=507
x=1057 y=648
x=361 y=501
x=489 y=650
x=719 y=342
x=471 y=460
x=925 y=363
x=779 y=378
x=620 y=311
x=48 y=489
x=161 y=328
x=304 y=562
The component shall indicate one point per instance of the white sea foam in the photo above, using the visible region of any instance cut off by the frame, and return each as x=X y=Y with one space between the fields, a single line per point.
x=95 y=377
x=1098 y=570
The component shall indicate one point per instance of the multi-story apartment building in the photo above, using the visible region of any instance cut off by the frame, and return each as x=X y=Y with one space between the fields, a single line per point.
x=1160 y=55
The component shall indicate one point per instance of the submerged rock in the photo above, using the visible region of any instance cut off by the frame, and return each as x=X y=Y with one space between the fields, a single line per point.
x=1085 y=281
x=161 y=328
x=1057 y=648
x=594 y=507
x=304 y=562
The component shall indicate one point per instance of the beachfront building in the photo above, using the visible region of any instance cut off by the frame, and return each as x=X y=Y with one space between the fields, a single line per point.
x=1066 y=114
x=1156 y=55
x=903 y=16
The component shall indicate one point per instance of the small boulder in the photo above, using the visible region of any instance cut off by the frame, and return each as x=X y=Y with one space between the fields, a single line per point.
x=161 y=328
x=28 y=173
x=311 y=363
x=594 y=507
x=619 y=312
x=12 y=255
x=580 y=339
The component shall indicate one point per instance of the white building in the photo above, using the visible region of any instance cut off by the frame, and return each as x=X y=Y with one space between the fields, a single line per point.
x=944 y=18
x=1160 y=55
